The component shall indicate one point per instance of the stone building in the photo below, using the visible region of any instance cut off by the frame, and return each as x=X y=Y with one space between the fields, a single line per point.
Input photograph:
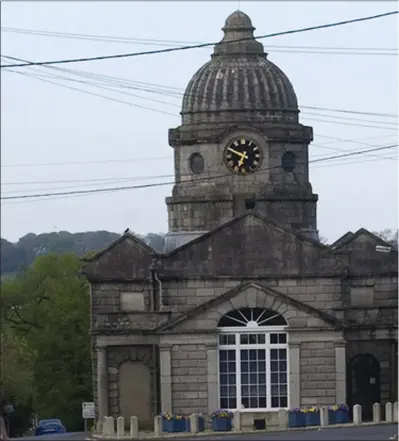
x=246 y=309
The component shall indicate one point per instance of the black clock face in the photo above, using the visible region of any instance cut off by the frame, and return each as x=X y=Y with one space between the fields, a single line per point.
x=242 y=156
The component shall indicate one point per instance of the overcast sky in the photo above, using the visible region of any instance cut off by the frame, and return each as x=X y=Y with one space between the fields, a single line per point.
x=42 y=123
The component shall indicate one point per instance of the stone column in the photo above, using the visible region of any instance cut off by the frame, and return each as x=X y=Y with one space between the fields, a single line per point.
x=102 y=382
x=294 y=378
x=166 y=378
x=212 y=357
x=340 y=372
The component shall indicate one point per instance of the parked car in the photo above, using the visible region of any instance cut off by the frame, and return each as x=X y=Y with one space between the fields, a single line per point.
x=46 y=427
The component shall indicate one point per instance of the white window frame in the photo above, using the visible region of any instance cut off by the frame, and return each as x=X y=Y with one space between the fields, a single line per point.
x=254 y=329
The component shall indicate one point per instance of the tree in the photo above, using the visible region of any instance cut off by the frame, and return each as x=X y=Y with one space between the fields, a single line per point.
x=389 y=236
x=48 y=306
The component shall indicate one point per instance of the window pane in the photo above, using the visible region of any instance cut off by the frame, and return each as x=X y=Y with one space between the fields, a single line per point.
x=283 y=401
x=274 y=377
x=244 y=366
x=231 y=356
x=262 y=378
x=253 y=354
x=253 y=339
x=262 y=402
x=282 y=354
x=223 y=391
x=232 y=378
x=223 y=379
x=222 y=355
x=231 y=339
x=244 y=339
x=245 y=402
x=253 y=402
x=262 y=366
x=283 y=378
x=273 y=338
x=273 y=354
x=244 y=378
x=244 y=354
x=282 y=366
x=261 y=339
x=274 y=366
x=250 y=392
x=261 y=354
x=222 y=339
x=282 y=338
x=283 y=389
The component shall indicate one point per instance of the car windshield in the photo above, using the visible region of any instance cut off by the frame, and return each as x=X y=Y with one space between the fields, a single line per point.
x=46 y=422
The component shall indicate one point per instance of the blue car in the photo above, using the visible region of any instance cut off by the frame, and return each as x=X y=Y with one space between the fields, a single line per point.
x=48 y=427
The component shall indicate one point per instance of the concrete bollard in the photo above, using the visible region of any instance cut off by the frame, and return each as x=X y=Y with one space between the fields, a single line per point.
x=99 y=427
x=237 y=421
x=283 y=419
x=388 y=412
x=324 y=416
x=158 y=430
x=376 y=413
x=134 y=427
x=194 y=423
x=395 y=411
x=104 y=426
x=120 y=426
x=357 y=414
x=111 y=426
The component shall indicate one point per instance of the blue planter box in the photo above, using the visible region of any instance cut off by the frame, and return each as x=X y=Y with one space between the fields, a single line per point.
x=201 y=424
x=342 y=416
x=296 y=419
x=171 y=426
x=221 y=424
x=312 y=418
x=338 y=416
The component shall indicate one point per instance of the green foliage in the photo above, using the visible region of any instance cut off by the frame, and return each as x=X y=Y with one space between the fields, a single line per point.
x=46 y=309
x=17 y=256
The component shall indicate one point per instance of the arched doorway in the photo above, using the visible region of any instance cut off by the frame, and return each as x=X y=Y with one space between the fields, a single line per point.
x=364 y=383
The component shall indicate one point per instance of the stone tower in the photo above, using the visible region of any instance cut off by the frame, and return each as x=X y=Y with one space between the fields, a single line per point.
x=240 y=145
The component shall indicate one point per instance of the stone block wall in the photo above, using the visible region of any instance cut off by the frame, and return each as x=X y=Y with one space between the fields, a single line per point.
x=189 y=378
x=317 y=373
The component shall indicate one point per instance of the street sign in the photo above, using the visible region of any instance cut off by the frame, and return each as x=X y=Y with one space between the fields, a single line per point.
x=88 y=411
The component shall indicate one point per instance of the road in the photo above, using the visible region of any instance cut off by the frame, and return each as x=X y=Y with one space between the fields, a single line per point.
x=373 y=433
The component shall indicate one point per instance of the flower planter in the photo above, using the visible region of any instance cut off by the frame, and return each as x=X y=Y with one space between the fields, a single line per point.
x=173 y=425
x=221 y=424
x=201 y=424
x=332 y=418
x=296 y=419
x=341 y=416
x=312 y=418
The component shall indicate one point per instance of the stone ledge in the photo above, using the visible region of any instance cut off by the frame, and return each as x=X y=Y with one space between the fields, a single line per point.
x=209 y=433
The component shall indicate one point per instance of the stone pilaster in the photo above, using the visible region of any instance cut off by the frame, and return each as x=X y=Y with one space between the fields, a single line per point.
x=213 y=391
x=294 y=378
x=102 y=382
x=166 y=378
x=340 y=372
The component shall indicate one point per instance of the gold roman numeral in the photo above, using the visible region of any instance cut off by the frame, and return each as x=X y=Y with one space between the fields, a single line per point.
x=243 y=140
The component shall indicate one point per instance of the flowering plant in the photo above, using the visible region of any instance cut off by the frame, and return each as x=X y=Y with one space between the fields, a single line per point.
x=222 y=413
x=167 y=416
x=171 y=416
x=337 y=407
x=310 y=409
x=296 y=409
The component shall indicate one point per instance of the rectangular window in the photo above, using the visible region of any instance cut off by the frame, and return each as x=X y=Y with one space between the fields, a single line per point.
x=228 y=378
x=253 y=370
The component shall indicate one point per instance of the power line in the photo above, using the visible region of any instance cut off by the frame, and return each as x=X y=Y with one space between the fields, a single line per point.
x=190 y=182
x=172 y=114
x=172 y=91
x=155 y=42
x=189 y=47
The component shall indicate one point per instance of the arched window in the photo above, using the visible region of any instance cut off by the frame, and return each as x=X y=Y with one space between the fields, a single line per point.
x=253 y=360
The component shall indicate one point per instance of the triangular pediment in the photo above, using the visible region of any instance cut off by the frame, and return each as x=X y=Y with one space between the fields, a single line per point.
x=251 y=245
x=362 y=236
x=127 y=258
x=252 y=295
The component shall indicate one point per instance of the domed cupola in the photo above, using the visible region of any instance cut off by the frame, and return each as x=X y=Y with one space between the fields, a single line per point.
x=239 y=84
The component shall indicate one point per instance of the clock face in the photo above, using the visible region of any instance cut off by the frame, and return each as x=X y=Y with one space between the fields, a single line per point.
x=242 y=156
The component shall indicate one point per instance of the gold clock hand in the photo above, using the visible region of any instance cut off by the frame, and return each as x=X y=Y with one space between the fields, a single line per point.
x=241 y=161
x=242 y=155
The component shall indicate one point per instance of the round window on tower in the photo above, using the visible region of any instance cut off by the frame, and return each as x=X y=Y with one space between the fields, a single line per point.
x=288 y=161
x=197 y=163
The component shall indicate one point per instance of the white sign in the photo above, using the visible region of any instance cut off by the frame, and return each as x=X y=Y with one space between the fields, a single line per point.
x=88 y=411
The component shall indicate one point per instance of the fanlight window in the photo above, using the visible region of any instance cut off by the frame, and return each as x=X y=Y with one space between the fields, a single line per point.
x=253 y=360
x=251 y=318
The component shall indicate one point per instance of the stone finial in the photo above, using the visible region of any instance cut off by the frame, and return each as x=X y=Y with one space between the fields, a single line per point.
x=120 y=426
x=376 y=413
x=238 y=37
x=324 y=416
x=283 y=419
x=134 y=427
x=388 y=412
x=357 y=414
x=194 y=425
x=158 y=430
x=395 y=411
x=237 y=421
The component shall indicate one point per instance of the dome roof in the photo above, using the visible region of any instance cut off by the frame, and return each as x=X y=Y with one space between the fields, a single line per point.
x=239 y=84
